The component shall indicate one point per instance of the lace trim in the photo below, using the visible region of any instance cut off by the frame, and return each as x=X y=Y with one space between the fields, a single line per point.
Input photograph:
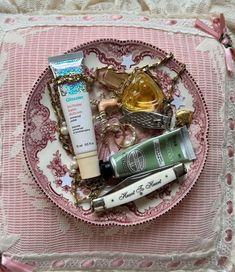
x=228 y=156
x=161 y=8
x=127 y=261
x=229 y=144
x=118 y=260
x=6 y=241
x=10 y=22
x=225 y=242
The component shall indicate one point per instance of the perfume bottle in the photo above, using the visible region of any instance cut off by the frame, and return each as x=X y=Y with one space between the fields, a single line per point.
x=111 y=78
x=142 y=93
x=137 y=91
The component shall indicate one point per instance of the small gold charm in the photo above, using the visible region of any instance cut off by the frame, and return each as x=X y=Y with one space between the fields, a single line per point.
x=184 y=117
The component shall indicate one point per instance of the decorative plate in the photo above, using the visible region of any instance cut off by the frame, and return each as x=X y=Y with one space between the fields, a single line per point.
x=48 y=162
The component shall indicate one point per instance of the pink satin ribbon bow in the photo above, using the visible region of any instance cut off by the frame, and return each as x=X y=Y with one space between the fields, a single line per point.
x=9 y=265
x=219 y=31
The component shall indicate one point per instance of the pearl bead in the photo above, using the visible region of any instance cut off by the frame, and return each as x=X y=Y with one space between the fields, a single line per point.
x=127 y=143
x=73 y=164
x=73 y=172
x=64 y=130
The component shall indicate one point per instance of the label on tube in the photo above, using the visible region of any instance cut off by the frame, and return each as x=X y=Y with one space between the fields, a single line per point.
x=75 y=104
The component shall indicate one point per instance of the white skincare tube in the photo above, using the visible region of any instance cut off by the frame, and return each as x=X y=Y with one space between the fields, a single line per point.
x=75 y=104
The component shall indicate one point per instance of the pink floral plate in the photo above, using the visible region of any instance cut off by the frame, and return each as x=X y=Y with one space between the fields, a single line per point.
x=49 y=163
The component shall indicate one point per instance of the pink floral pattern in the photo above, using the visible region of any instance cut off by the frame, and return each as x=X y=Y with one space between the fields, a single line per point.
x=59 y=170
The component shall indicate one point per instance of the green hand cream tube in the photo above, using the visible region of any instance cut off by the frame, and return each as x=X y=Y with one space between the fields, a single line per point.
x=155 y=153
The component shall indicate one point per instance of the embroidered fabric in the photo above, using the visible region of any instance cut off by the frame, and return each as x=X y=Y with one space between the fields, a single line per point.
x=6 y=240
x=160 y=8
x=11 y=22
x=202 y=254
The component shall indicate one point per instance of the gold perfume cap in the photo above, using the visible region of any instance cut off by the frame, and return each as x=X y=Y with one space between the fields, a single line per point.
x=88 y=165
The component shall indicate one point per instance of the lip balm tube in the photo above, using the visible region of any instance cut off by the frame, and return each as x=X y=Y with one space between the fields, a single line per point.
x=75 y=104
x=154 y=153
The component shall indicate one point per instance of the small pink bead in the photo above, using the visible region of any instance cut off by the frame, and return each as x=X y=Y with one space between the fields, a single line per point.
x=145 y=264
x=229 y=235
x=87 y=18
x=229 y=178
x=174 y=264
x=88 y=263
x=117 y=262
x=232 y=97
x=9 y=21
x=116 y=17
x=58 y=264
x=200 y=262
x=172 y=22
x=230 y=151
x=231 y=124
x=230 y=207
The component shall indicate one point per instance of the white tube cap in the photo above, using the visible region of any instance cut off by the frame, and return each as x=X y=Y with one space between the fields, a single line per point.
x=88 y=165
